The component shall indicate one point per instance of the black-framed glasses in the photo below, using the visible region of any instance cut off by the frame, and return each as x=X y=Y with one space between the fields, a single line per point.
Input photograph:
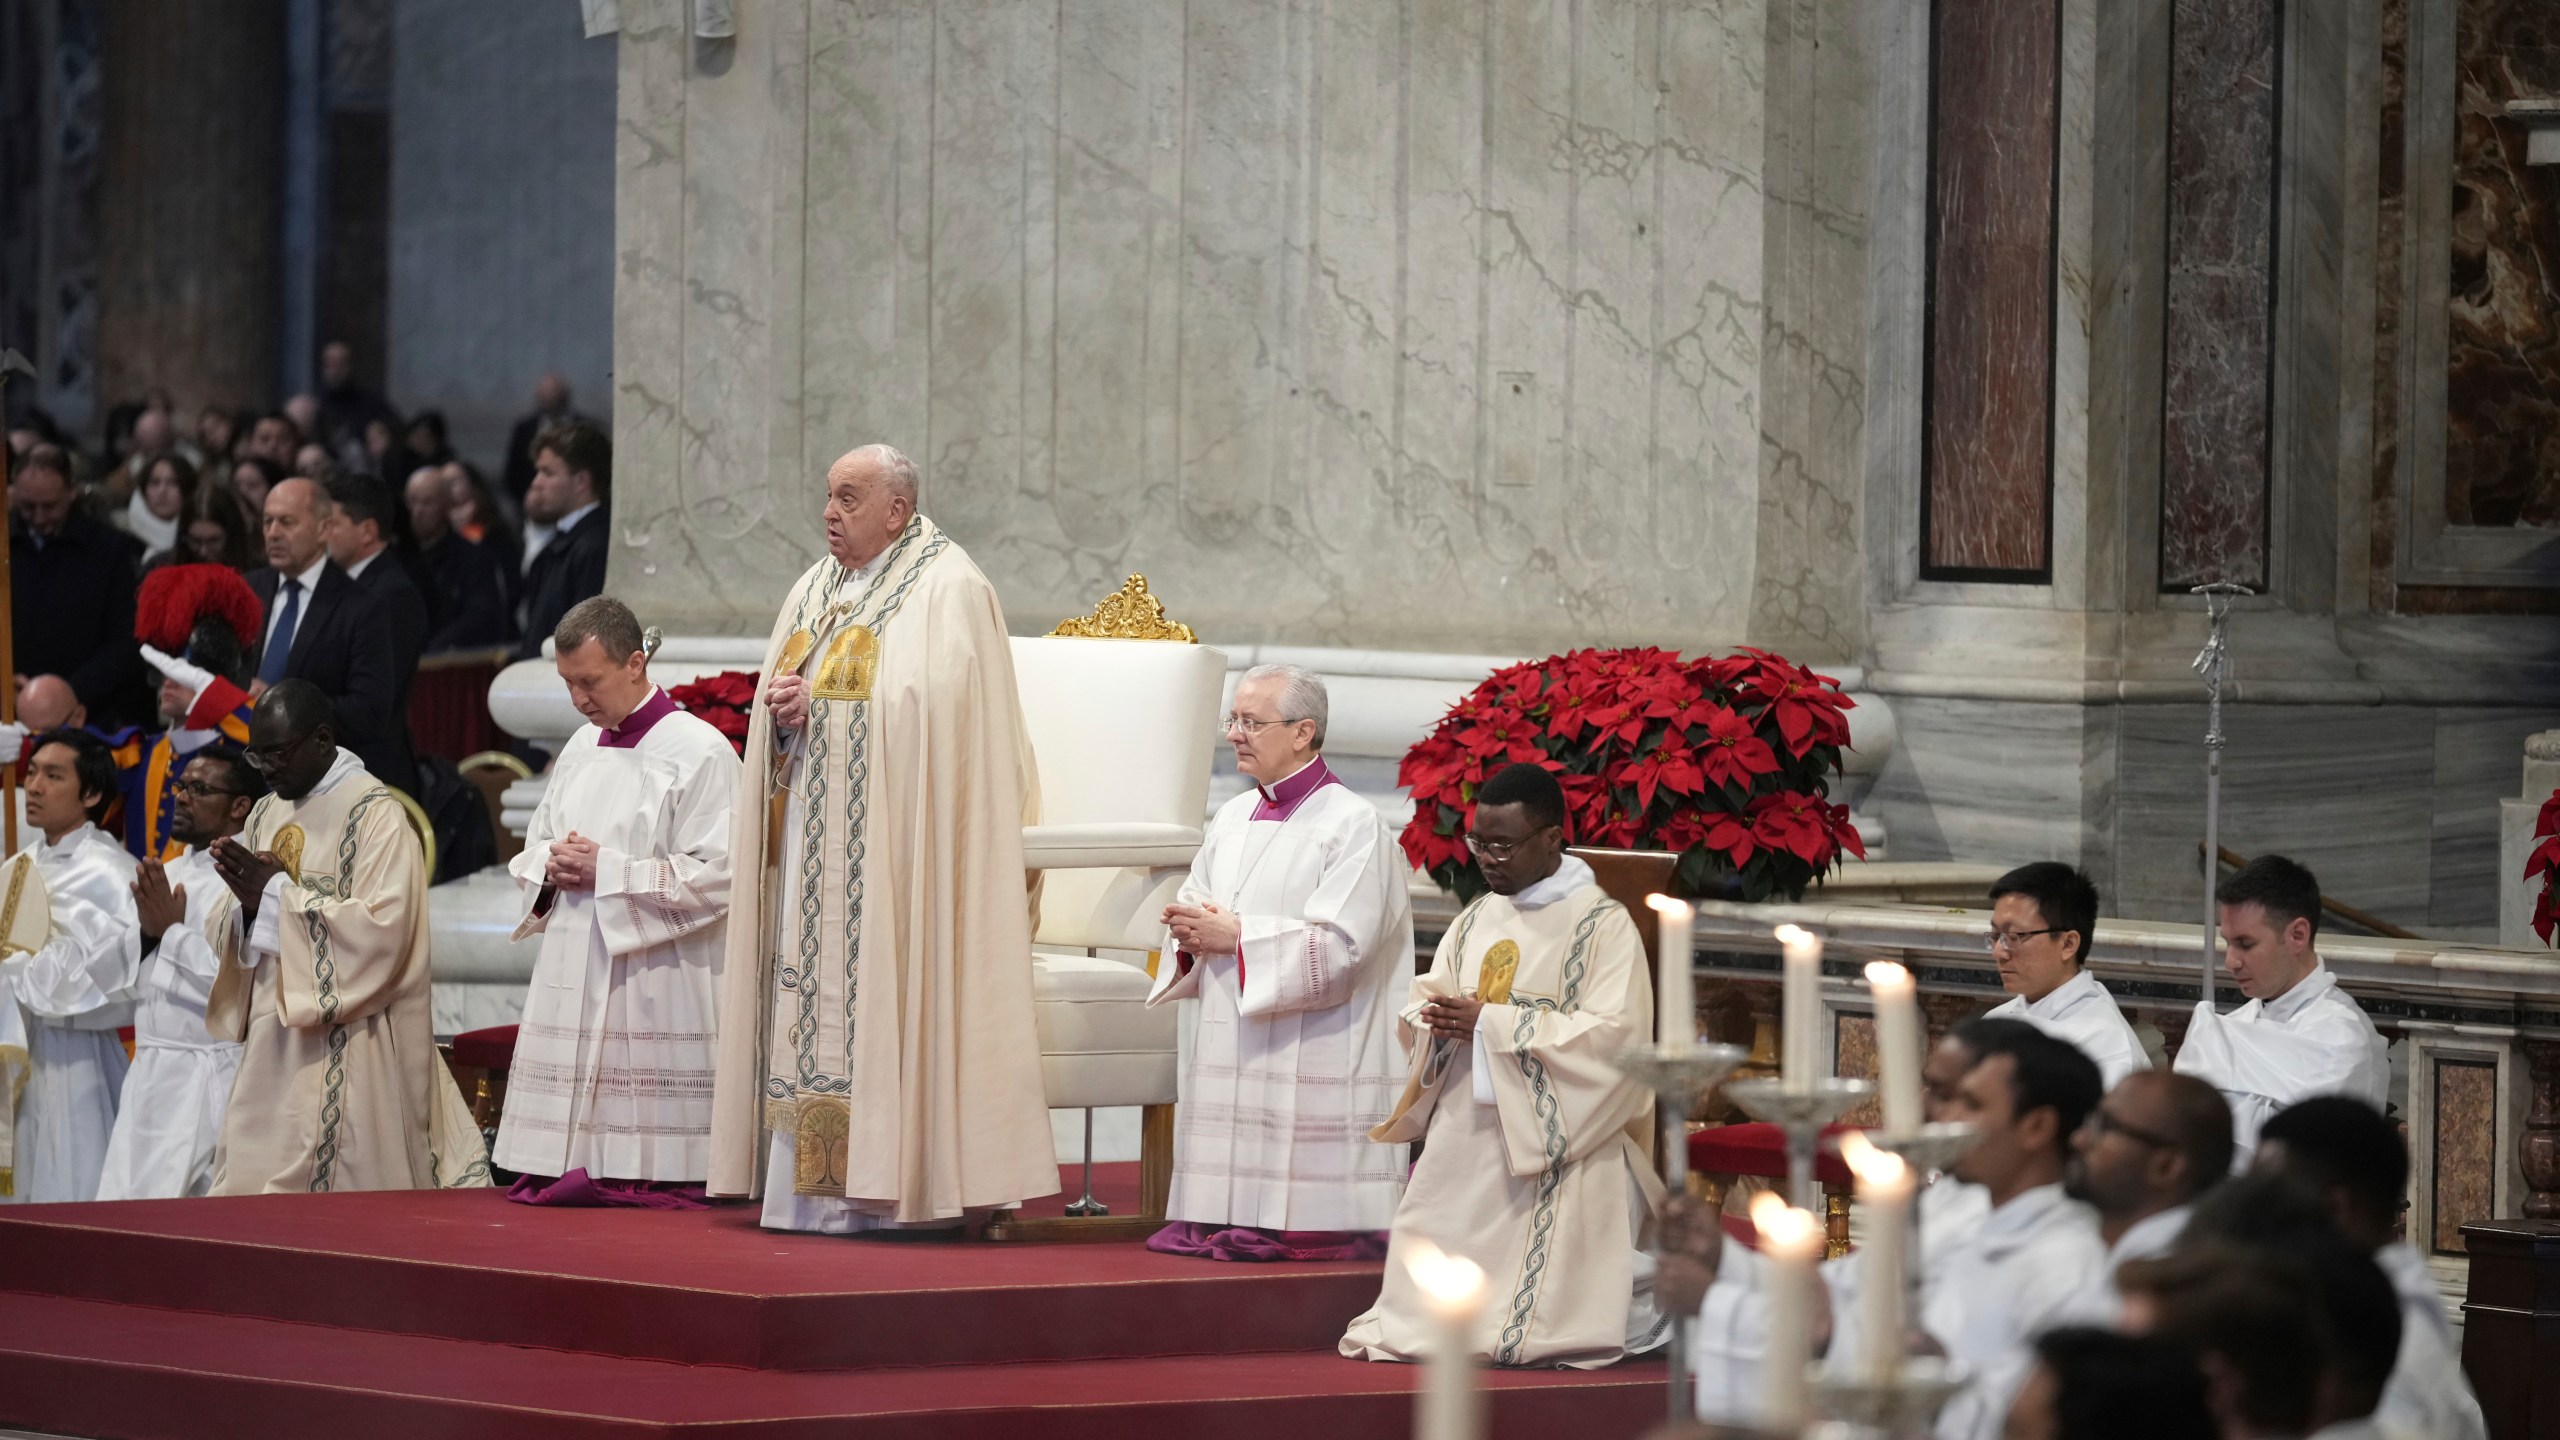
x=2101 y=1123
x=2009 y=939
x=193 y=790
x=268 y=757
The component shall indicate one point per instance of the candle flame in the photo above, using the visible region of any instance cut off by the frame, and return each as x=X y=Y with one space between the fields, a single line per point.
x=1780 y=1224
x=1667 y=905
x=1886 y=972
x=1793 y=935
x=1874 y=1167
x=1450 y=1284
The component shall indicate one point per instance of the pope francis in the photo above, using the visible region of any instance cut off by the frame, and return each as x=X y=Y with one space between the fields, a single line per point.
x=884 y=1071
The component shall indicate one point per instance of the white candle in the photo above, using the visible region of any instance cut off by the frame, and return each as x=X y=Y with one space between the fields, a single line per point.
x=1791 y=1241
x=1897 y=1045
x=1675 y=1004
x=1800 y=1030
x=1452 y=1289
x=1884 y=1194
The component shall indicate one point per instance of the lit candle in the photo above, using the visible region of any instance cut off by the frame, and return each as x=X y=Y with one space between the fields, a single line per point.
x=1800 y=1030
x=1791 y=1241
x=1452 y=1289
x=1884 y=1194
x=1897 y=1045
x=1675 y=1004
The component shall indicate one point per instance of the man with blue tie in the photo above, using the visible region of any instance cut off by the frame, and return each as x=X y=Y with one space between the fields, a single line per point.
x=321 y=627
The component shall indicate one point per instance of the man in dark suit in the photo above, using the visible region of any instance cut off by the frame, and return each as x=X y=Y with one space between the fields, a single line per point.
x=571 y=493
x=550 y=412
x=466 y=590
x=322 y=627
x=71 y=588
x=359 y=537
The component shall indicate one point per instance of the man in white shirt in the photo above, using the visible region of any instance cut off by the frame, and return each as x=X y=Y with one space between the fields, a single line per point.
x=2155 y=1144
x=2352 y=1156
x=2044 y=918
x=60 y=1006
x=1292 y=941
x=2298 y=1035
x=170 y=1117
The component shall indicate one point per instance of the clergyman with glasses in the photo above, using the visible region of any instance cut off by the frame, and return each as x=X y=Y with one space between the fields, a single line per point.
x=1289 y=948
x=170 y=1116
x=2043 y=918
x=324 y=978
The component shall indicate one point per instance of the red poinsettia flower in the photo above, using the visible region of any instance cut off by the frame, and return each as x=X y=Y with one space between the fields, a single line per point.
x=1733 y=753
x=1731 y=835
x=1504 y=734
x=1669 y=766
x=1796 y=823
x=2548 y=822
x=1806 y=706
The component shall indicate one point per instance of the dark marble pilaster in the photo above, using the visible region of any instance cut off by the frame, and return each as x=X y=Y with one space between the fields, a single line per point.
x=1988 y=503
x=2218 y=335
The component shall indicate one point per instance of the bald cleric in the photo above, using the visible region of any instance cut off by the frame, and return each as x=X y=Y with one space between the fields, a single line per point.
x=878 y=838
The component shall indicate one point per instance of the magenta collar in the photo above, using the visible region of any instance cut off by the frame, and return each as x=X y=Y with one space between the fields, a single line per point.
x=1281 y=801
x=627 y=735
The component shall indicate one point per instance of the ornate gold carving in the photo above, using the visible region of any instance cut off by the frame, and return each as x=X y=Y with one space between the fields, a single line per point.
x=287 y=847
x=18 y=870
x=1493 y=978
x=820 y=1131
x=853 y=656
x=1128 y=613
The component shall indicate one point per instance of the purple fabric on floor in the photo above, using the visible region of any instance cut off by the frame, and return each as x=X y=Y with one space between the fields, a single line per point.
x=580 y=1188
x=1243 y=1242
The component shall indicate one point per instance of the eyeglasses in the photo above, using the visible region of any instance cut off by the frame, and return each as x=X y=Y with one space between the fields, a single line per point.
x=2101 y=1123
x=268 y=757
x=1250 y=726
x=190 y=790
x=2009 y=939
x=1497 y=851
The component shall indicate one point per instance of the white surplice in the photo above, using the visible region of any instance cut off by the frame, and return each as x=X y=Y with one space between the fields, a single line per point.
x=614 y=1055
x=2311 y=1040
x=1532 y=1163
x=2427 y=1394
x=180 y=1085
x=1293 y=1057
x=73 y=995
x=2084 y=1012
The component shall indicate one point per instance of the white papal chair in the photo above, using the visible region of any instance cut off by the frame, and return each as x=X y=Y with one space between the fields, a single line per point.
x=1121 y=707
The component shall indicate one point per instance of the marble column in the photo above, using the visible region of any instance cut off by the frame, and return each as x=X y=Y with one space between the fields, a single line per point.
x=188 y=223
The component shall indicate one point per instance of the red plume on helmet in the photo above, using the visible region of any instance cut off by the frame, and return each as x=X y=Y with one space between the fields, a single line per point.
x=175 y=597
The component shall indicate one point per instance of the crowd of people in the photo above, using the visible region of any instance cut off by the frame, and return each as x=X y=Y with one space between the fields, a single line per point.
x=803 y=981
x=368 y=541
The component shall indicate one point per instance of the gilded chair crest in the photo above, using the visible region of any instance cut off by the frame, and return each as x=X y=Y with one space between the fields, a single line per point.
x=1128 y=613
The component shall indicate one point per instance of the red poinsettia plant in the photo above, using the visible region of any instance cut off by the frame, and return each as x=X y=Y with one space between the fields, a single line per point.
x=1724 y=761
x=2544 y=862
x=723 y=700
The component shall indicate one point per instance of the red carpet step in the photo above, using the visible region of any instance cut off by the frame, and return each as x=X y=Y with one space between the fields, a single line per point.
x=434 y=1314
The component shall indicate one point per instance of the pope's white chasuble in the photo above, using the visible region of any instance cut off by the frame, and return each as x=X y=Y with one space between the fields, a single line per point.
x=880 y=1065
x=180 y=1084
x=65 y=1001
x=1533 y=1161
x=1293 y=1055
x=2314 y=1039
x=614 y=1053
x=340 y=1085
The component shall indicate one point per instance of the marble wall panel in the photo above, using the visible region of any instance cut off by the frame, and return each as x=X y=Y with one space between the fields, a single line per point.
x=2466 y=1150
x=2475 y=768
x=2502 y=410
x=1985 y=781
x=1987 y=500
x=1430 y=325
x=2219 y=326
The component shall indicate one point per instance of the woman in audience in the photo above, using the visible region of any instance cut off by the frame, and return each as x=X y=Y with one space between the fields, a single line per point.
x=252 y=477
x=217 y=430
x=151 y=516
x=216 y=530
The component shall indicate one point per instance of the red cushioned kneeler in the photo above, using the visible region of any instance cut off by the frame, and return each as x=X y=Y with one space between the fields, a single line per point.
x=491 y=1049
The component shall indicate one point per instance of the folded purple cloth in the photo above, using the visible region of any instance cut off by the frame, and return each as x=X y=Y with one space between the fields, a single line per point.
x=1244 y=1242
x=580 y=1188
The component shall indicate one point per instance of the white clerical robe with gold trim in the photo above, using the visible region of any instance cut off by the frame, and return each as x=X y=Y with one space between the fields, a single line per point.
x=340 y=1084
x=614 y=1054
x=1533 y=1162
x=69 y=998
x=174 y=1097
x=878 y=1026
x=1293 y=1056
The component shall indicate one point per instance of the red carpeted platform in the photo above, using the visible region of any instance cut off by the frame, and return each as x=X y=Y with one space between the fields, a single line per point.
x=457 y=1314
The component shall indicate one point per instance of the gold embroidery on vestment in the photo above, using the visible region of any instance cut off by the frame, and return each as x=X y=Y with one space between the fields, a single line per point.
x=852 y=657
x=820 y=1131
x=9 y=912
x=288 y=851
x=1493 y=977
x=795 y=652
